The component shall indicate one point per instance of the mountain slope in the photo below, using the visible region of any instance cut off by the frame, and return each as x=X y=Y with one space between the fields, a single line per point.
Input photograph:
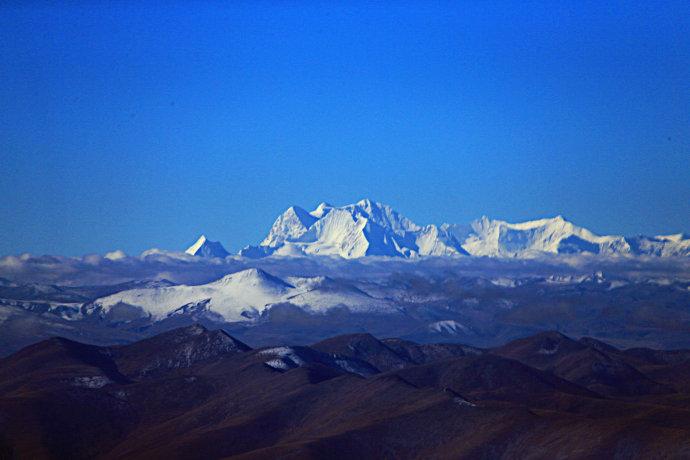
x=589 y=363
x=179 y=348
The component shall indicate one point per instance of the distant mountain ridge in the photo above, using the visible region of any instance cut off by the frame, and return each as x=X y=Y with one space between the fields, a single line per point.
x=195 y=392
x=369 y=228
x=423 y=301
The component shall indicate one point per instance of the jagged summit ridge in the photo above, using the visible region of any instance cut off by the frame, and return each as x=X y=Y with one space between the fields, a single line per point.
x=361 y=229
x=487 y=237
x=369 y=228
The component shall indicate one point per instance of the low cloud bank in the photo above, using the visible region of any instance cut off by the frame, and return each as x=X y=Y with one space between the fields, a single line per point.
x=117 y=267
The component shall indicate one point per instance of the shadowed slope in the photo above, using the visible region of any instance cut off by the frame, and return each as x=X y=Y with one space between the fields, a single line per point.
x=589 y=363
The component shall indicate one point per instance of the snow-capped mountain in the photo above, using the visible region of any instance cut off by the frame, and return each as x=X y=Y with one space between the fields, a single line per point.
x=206 y=248
x=367 y=228
x=243 y=295
x=486 y=237
x=357 y=230
x=661 y=245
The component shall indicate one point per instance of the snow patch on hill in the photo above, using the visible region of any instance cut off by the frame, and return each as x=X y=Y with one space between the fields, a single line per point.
x=450 y=327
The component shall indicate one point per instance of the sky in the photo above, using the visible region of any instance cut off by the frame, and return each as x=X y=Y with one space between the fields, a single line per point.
x=131 y=125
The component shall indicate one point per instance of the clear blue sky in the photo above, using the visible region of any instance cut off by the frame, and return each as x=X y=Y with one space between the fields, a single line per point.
x=136 y=125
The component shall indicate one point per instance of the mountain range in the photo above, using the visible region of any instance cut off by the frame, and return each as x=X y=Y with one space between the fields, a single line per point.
x=199 y=393
x=389 y=297
x=368 y=228
x=427 y=287
x=241 y=296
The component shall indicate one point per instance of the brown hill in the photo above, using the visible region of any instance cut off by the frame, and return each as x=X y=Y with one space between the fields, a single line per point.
x=194 y=393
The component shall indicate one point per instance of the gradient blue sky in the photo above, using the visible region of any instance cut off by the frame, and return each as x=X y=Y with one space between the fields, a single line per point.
x=136 y=125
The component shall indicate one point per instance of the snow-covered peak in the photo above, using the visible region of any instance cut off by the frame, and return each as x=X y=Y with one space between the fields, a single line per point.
x=207 y=248
x=383 y=215
x=557 y=221
x=253 y=277
x=370 y=228
x=195 y=247
x=554 y=235
x=241 y=296
x=290 y=225
x=661 y=245
x=438 y=241
x=356 y=230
